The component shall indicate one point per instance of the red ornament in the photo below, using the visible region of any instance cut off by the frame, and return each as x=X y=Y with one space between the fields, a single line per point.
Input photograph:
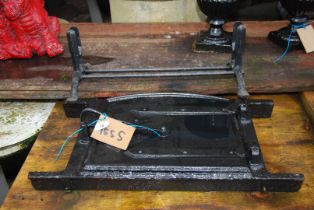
x=25 y=27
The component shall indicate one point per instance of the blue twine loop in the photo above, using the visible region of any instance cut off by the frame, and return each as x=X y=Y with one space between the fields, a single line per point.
x=67 y=140
x=293 y=29
x=156 y=132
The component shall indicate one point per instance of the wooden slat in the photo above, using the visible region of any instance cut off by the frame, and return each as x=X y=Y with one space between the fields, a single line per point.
x=286 y=142
x=308 y=103
x=156 y=45
x=254 y=28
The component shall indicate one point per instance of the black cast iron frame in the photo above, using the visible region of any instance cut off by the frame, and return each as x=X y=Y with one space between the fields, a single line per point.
x=195 y=170
x=83 y=72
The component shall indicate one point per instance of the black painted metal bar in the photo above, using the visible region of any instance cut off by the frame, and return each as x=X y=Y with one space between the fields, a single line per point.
x=209 y=182
x=156 y=74
x=173 y=69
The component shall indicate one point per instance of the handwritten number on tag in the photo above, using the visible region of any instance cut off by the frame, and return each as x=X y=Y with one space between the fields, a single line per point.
x=116 y=135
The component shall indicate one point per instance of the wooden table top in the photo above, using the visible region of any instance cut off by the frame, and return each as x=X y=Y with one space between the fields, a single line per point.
x=308 y=102
x=286 y=141
x=156 y=45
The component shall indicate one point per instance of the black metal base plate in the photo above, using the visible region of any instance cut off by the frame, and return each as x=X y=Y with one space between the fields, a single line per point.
x=281 y=38
x=206 y=43
x=207 y=144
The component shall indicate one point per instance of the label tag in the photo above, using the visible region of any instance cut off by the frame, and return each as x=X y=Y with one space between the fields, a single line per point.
x=116 y=133
x=307 y=38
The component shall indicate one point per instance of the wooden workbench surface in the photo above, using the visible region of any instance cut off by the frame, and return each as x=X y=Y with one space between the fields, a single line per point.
x=286 y=141
x=156 y=45
x=308 y=103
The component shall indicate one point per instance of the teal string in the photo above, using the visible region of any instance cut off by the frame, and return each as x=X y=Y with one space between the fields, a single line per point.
x=293 y=29
x=67 y=140
x=156 y=132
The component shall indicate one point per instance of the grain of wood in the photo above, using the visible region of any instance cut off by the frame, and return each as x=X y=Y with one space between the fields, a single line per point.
x=308 y=103
x=156 y=45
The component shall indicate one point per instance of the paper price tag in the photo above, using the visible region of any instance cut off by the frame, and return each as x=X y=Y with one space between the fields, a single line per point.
x=116 y=134
x=307 y=38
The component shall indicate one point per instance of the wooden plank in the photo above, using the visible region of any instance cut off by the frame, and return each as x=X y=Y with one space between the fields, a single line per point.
x=254 y=28
x=308 y=103
x=156 y=45
x=287 y=147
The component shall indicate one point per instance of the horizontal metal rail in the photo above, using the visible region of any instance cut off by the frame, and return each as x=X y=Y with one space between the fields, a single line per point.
x=155 y=74
x=174 y=69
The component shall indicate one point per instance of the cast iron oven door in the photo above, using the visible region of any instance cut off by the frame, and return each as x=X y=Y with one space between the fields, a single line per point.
x=207 y=143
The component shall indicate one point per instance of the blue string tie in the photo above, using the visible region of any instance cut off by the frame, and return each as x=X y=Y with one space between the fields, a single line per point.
x=293 y=30
x=67 y=140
